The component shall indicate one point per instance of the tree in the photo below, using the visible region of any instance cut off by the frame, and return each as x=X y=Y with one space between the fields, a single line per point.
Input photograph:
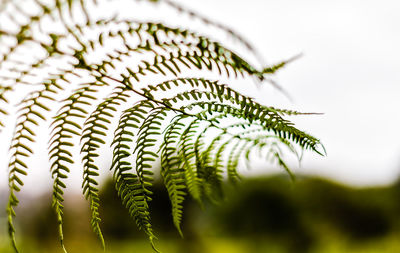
x=184 y=121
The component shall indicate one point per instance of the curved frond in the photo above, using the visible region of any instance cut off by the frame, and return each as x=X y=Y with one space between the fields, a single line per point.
x=187 y=155
x=32 y=111
x=93 y=132
x=198 y=131
x=133 y=187
x=64 y=128
x=171 y=170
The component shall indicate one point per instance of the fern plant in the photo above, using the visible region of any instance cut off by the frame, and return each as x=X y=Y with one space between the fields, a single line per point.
x=195 y=129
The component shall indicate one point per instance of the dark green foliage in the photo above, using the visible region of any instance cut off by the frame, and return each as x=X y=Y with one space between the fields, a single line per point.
x=299 y=214
x=184 y=121
x=267 y=213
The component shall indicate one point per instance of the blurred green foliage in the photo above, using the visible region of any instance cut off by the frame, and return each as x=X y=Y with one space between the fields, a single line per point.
x=264 y=215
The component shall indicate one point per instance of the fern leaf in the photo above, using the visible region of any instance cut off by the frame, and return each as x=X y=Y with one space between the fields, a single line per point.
x=132 y=188
x=63 y=129
x=187 y=156
x=22 y=137
x=175 y=117
x=95 y=128
x=172 y=172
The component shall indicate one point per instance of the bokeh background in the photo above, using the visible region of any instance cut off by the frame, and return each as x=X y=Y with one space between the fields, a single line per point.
x=347 y=201
x=261 y=215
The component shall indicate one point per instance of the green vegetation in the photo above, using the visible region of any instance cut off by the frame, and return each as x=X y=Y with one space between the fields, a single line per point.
x=68 y=54
x=263 y=215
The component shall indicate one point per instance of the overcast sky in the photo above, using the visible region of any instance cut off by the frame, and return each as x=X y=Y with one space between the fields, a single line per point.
x=350 y=71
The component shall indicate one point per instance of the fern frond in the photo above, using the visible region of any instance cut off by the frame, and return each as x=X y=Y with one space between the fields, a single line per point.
x=242 y=107
x=188 y=120
x=132 y=188
x=65 y=128
x=202 y=52
x=123 y=136
x=233 y=161
x=172 y=172
x=29 y=114
x=94 y=130
x=148 y=131
x=277 y=125
x=220 y=26
x=188 y=157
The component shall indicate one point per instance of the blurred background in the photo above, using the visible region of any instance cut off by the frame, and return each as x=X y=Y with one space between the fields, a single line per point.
x=265 y=214
x=347 y=201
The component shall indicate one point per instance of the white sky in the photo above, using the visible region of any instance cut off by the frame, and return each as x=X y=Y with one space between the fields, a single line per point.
x=350 y=71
